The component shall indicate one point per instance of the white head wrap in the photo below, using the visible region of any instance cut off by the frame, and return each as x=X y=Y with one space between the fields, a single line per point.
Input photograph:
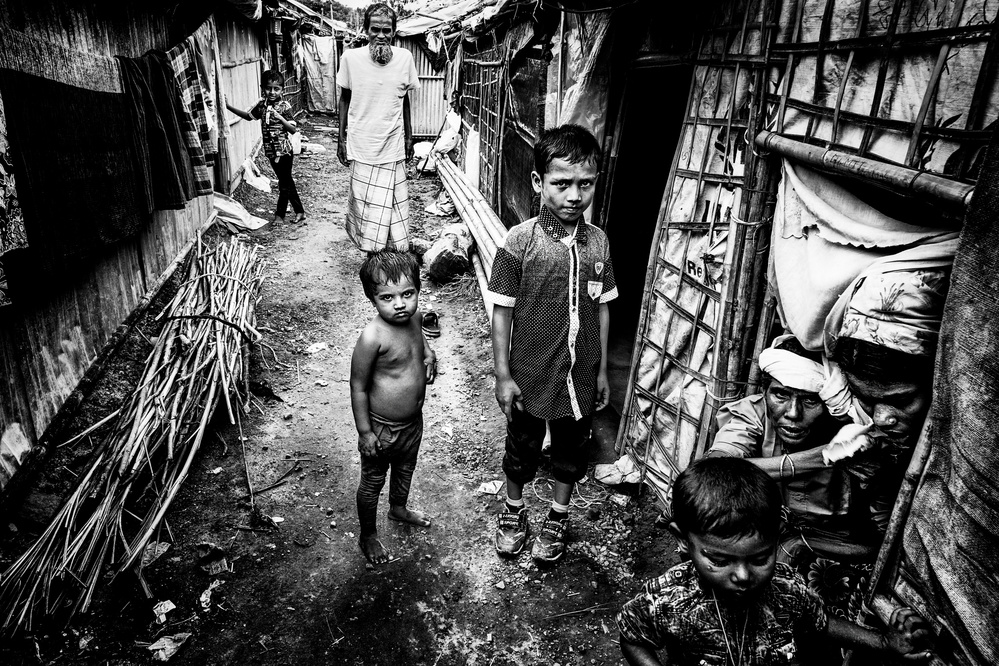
x=791 y=370
x=826 y=379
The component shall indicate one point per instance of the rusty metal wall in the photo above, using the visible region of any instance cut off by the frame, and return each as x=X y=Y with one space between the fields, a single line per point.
x=47 y=346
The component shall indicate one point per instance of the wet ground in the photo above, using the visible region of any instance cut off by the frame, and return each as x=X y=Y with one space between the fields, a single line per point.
x=302 y=593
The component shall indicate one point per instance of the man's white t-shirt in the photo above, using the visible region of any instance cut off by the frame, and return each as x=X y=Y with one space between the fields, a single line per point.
x=375 y=133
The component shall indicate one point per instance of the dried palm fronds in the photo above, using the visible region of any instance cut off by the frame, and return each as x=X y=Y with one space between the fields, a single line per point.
x=143 y=460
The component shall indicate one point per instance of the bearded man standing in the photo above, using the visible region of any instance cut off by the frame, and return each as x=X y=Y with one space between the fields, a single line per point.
x=376 y=134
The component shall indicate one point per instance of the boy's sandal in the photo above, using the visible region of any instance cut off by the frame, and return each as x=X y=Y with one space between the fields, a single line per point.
x=301 y=217
x=431 y=324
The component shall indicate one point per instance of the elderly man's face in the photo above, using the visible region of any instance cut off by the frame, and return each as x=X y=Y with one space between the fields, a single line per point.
x=794 y=413
x=380 y=29
x=898 y=408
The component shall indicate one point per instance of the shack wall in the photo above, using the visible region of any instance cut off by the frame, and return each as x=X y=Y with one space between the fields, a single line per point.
x=428 y=105
x=48 y=346
x=242 y=52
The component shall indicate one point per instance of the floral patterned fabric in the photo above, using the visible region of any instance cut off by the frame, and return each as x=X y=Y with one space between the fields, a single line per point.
x=897 y=302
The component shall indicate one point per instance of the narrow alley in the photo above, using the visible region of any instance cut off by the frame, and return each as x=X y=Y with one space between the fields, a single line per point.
x=302 y=592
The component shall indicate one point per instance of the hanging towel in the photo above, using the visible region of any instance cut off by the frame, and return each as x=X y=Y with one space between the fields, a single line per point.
x=157 y=111
x=73 y=152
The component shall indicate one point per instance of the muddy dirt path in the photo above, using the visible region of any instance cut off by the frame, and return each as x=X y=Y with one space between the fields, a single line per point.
x=302 y=593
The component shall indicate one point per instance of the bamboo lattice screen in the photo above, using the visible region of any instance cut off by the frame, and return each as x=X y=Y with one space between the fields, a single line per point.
x=908 y=82
x=482 y=92
x=698 y=320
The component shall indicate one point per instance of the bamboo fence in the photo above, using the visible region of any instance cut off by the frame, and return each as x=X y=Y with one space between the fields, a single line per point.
x=121 y=501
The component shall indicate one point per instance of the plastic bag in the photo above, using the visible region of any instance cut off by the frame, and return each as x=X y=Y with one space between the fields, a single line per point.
x=296 y=143
x=621 y=471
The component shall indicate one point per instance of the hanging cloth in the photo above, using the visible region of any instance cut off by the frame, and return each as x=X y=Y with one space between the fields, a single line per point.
x=73 y=152
x=157 y=110
x=193 y=120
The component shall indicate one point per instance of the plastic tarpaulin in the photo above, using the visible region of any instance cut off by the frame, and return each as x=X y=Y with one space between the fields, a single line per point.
x=431 y=15
x=824 y=236
x=949 y=547
x=584 y=60
x=320 y=59
x=900 y=76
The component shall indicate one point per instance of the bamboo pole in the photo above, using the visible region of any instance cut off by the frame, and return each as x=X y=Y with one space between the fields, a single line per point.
x=903 y=503
x=902 y=179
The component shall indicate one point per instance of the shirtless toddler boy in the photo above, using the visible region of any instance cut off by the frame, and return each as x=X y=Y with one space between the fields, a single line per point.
x=389 y=371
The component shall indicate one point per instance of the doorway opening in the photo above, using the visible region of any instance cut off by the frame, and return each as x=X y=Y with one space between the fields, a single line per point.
x=649 y=131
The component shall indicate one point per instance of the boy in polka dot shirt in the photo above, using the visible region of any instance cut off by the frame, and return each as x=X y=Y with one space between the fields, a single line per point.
x=550 y=283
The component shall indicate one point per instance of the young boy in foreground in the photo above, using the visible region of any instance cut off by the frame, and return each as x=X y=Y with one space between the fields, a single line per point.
x=732 y=603
x=389 y=371
x=551 y=282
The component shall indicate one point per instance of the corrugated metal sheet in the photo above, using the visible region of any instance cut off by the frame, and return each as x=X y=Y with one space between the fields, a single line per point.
x=428 y=105
x=241 y=53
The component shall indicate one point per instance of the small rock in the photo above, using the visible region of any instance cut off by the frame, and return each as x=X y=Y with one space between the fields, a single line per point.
x=628 y=519
x=287 y=416
x=593 y=584
x=593 y=513
x=501 y=585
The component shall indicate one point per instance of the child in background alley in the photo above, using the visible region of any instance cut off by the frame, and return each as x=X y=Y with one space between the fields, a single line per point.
x=389 y=371
x=731 y=603
x=275 y=128
x=551 y=282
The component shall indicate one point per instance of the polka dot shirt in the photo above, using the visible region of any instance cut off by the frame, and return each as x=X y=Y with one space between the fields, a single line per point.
x=555 y=283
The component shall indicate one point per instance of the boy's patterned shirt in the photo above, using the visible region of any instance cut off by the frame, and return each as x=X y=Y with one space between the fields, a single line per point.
x=276 y=141
x=555 y=284
x=676 y=612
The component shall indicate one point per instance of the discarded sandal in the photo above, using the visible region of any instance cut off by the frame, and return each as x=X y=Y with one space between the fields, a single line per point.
x=431 y=324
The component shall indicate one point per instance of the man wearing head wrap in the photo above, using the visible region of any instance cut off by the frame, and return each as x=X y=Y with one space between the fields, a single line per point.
x=785 y=431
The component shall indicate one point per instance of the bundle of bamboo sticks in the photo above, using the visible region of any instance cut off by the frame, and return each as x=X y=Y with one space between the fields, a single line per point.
x=141 y=463
x=486 y=227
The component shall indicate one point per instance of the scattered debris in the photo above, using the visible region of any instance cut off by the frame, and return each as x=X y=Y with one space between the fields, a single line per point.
x=212 y=558
x=152 y=552
x=450 y=255
x=206 y=596
x=161 y=609
x=253 y=177
x=490 y=487
x=322 y=382
x=167 y=646
x=623 y=470
x=619 y=499
x=216 y=471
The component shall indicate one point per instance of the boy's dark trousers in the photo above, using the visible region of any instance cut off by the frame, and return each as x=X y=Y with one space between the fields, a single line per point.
x=399 y=446
x=286 y=186
x=525 y=436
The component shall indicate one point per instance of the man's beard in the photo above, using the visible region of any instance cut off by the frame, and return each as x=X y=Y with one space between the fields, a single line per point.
x=380 y=53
